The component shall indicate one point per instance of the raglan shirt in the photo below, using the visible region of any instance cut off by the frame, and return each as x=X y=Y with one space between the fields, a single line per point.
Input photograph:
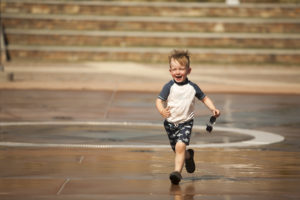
x=180 y=98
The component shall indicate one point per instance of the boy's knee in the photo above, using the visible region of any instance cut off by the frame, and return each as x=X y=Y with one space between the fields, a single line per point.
x=180 y=147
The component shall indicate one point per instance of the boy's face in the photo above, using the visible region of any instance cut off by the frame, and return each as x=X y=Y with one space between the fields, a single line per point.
x=179 y=72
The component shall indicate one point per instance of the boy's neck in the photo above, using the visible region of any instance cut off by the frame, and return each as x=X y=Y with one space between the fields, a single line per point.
x=183 y=82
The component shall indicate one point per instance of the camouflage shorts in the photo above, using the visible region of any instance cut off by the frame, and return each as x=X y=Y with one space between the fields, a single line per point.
x=181 y=132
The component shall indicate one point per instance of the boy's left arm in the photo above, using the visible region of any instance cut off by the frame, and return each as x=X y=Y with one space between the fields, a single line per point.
x=210 y=105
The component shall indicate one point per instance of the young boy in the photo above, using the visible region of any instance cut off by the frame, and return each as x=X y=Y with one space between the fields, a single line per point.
x=176 y=104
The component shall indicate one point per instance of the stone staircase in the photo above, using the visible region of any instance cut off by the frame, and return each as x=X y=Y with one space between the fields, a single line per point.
x=144 y=31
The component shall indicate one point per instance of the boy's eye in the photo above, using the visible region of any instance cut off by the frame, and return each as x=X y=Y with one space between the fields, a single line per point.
x=180 y=69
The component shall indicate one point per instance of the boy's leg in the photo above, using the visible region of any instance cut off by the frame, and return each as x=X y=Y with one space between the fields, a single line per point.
x=187 y=155
x=180 y=158
x=180 y=152
x=179 y=138
x=185 y=134
x=189 y=161
x=184 y=156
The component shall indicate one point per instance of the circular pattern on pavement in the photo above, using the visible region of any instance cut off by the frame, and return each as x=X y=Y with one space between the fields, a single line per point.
x=122 y=135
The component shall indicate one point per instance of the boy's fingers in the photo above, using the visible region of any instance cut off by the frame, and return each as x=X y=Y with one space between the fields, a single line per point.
x=216 y=113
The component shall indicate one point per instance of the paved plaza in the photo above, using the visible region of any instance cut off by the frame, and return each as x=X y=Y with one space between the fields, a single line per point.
x=130 y=172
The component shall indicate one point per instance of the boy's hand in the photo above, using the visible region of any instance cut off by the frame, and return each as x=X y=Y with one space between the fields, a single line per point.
x=165 y=112
x=216 y=112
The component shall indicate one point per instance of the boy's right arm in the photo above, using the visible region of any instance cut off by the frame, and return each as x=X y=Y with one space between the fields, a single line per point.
x=165 y=112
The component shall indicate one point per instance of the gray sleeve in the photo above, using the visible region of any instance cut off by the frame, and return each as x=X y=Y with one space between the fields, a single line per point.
x=163 y=95
x=199 y=94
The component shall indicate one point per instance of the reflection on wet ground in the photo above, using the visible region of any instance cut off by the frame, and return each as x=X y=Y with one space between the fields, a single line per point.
x=262 y=172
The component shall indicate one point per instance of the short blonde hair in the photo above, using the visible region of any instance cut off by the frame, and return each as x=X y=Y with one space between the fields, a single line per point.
x=182 y=56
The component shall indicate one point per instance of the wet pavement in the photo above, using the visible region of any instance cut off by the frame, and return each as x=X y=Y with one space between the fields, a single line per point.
x=254 y=172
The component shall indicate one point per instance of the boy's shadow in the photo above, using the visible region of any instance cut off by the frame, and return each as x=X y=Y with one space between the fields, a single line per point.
x=187 y=193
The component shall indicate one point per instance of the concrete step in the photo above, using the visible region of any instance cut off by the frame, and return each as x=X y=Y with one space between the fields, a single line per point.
x=147 y=31
x=174 y=1
x=138 y=54
x=129 y=23
x=142 y=8
x=270 y=1
x=157 y=39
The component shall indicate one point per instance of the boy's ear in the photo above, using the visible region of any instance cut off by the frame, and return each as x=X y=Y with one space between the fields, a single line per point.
x=189 y=70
